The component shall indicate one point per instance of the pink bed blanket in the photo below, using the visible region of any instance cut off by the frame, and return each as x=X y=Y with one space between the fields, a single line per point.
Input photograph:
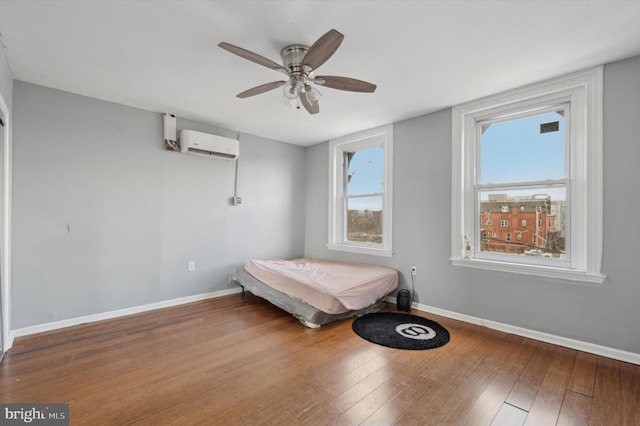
x=320 y=282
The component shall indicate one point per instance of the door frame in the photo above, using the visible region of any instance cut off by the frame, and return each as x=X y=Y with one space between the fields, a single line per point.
x=5 y=248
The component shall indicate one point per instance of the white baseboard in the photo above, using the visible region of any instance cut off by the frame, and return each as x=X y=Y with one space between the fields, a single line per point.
x=25 y=331
x=605 y=351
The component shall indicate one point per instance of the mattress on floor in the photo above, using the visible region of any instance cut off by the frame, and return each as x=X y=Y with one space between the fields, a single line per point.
x=319 y=291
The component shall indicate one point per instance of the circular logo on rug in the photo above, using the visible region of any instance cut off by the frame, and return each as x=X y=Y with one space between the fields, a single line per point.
x=402 y=331
x=415 y=331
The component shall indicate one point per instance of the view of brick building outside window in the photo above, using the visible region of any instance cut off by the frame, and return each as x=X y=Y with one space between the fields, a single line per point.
x=524 y=225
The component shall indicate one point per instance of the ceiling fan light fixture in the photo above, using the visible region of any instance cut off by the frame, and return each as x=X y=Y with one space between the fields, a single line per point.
x=291 y=103
x=312 y=94
x=290 y=94
x=290 y=90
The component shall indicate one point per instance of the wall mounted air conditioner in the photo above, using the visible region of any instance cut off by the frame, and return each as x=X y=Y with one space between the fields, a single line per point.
x=209 y=145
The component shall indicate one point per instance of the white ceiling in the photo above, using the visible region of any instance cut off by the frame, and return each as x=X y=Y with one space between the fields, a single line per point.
x=424 y=55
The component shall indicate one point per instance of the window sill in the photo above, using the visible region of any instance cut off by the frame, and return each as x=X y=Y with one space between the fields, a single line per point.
x=589 y=278
x=361 y=250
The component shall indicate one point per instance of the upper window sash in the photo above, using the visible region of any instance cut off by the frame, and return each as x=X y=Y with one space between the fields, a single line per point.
x=528 y=110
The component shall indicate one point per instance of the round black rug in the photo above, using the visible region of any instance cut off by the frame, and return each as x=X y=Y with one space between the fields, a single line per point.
x=401 y=331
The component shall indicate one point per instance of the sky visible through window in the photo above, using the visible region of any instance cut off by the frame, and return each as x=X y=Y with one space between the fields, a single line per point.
x=511 y=151
x=516 y=151
x=367 y=177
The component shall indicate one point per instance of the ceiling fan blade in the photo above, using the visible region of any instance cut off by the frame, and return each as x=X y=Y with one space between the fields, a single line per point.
x=322 y=49
x=253 y=57
x=260 y=89
x=313 y=109
x=345 y=83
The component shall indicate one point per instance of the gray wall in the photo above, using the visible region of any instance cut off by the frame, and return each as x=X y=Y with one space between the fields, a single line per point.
x=105 y=218
x=605 y=315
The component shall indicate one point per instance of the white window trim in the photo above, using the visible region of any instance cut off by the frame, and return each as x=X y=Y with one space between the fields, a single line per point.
x=584 y=90
x=381 y=136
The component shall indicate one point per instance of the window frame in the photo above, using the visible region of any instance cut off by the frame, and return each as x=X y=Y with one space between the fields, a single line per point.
x=380 y=136
x=583 y=92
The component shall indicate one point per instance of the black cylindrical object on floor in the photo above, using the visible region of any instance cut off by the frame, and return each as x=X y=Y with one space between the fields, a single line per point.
x=403 y=300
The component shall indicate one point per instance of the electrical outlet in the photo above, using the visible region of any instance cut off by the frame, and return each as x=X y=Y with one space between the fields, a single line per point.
x=192 y=266
x=413 y=271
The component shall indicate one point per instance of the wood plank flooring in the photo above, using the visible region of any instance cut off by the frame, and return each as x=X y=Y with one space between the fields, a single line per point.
x=240 y=360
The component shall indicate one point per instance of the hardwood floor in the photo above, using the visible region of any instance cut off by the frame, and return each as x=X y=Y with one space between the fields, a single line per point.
x=239 y=360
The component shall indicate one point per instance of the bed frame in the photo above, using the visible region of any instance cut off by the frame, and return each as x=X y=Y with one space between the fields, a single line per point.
x=307 y=314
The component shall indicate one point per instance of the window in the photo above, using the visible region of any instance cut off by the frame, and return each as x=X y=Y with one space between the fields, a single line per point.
x=504 y=223
x=504 y=209
x=508 y=237
x=556 y=128
x=495 y=235
x=489 y=222
x=360 y=192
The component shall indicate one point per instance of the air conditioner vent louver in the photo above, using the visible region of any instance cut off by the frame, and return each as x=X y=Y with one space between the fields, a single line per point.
x=212 y=154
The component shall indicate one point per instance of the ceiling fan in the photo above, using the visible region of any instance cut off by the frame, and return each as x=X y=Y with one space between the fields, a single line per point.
x=299 y=64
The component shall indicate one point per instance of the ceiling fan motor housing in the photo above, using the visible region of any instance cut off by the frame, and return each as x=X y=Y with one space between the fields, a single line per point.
x=292 y=57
